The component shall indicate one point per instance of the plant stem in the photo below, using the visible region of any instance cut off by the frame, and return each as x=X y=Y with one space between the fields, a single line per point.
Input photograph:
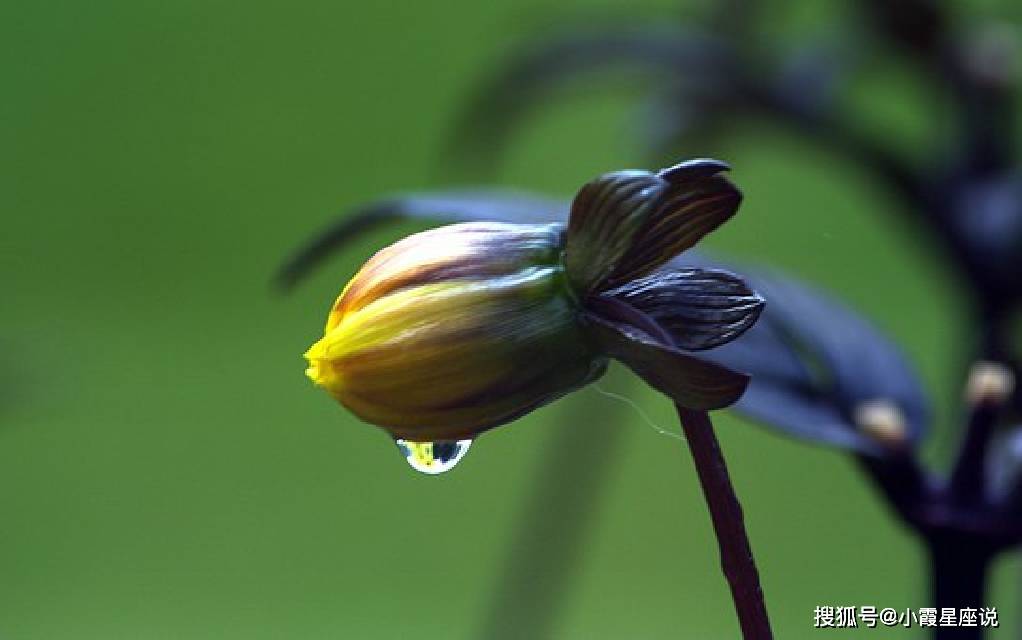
x=959 y=574
x=726 y=513
x=967 y=476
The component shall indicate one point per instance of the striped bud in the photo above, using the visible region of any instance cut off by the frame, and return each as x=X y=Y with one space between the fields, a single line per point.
x=455 y=330
x=459 y=329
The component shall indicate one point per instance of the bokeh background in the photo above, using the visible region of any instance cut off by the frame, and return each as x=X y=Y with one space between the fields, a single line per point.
x=166 y=470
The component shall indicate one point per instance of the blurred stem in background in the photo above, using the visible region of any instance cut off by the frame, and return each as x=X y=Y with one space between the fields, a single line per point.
x=555 y=527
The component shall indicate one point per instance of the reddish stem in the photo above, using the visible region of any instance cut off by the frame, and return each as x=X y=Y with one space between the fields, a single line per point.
x=726 y=513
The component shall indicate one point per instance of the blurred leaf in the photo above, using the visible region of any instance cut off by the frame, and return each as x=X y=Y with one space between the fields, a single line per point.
x=814 y=363
x=987 y=219
x=1005 y=466
x=812 y=76
x=671 y=54
x=801 y=89
x=707 y=81
x=915 y=25
x=440 y=207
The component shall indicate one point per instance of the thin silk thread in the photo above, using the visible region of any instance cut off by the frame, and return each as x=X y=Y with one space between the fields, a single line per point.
x=639 y=411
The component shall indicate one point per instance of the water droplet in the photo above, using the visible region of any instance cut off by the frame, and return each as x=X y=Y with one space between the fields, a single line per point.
x=433 y=457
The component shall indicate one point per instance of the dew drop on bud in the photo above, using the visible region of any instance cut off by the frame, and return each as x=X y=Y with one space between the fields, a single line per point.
x=433 y=457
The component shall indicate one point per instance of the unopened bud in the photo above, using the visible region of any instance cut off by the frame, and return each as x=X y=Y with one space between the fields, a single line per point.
x=989 y=383
x=455 y=330
x=883 y=422
x=463 y=328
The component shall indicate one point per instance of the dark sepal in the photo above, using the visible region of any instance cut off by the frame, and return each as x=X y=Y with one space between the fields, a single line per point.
x=695 y=169
x=701 y=308
x=635 y=339
x=690 y=208
x=606 y=216
x=625 y=224
x=442 y=207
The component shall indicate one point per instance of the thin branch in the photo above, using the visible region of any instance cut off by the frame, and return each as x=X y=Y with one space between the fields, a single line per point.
x=969 y=470
x=990 y=385
x=728 y=523
x=902 y=481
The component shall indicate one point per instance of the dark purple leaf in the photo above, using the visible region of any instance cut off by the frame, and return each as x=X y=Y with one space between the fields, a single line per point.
x=918 y=26
x=814 y=363
x=811 y=77
x=986 y=215
x=1005 y=466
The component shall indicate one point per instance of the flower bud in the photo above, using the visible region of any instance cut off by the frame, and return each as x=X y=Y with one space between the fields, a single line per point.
x=455 y=330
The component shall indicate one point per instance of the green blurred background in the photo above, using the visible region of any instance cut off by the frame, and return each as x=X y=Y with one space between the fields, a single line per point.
x=166 y=471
